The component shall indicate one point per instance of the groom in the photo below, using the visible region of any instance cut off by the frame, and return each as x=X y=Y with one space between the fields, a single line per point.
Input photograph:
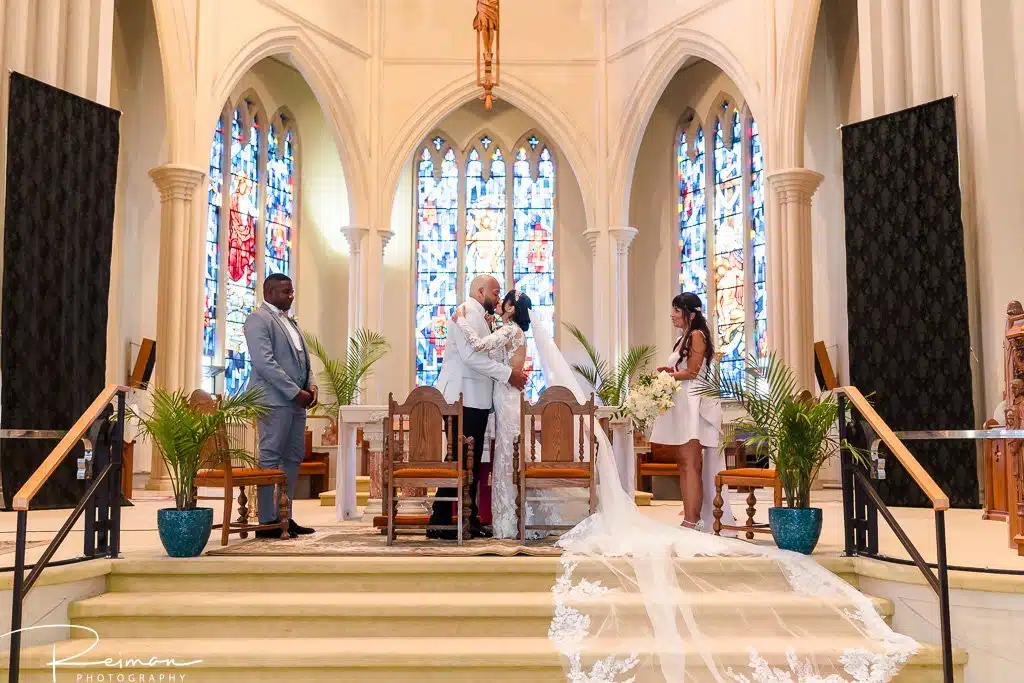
x=472 y=374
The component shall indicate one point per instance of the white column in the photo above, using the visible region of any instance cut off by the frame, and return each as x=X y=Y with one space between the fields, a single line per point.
x=48 y=39
x=179 y=308
x=618 y=287
x=921 y=27
x=356 y=236
x=894 y=53
x=869 y=53
x=791 y=334
x=76 y=67
x=600 y=333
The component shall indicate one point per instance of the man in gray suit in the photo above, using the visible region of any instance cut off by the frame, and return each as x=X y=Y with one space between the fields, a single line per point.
x=280 y=367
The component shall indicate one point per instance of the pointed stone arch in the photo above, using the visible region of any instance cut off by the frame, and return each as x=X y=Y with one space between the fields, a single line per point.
x=334 y=103
x=689 y=123
x=485 y=142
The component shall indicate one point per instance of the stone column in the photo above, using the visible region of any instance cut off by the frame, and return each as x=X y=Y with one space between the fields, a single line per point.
x=894 y=62
x=179 y=310
x=791 y=333
x=922 y=50
x=617 y=285
x=356 y=236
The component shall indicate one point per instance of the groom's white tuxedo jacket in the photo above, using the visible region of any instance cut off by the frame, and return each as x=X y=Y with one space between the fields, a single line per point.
x=466 y=371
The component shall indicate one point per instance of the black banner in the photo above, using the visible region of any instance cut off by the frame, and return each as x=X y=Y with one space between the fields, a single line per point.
x=907 y=291
x=59 y=219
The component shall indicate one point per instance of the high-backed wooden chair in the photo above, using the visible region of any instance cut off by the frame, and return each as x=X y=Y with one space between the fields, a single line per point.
x=227 y=475
x=425 y=461
x=563 y=463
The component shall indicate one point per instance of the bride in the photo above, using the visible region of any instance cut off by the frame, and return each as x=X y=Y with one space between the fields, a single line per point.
x=507 y=345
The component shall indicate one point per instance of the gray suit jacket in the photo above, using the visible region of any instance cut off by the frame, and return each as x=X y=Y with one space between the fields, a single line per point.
x=278 y=368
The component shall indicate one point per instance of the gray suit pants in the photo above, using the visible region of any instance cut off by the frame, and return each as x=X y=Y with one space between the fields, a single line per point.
x=283 y=447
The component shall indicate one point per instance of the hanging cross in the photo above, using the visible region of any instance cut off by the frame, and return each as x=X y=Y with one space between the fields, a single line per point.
x=488 y=44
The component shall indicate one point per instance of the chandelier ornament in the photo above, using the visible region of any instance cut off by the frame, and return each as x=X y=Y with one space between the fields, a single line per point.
x=488 y=43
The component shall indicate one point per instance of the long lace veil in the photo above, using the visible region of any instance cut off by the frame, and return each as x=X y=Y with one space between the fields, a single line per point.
x=641 y=600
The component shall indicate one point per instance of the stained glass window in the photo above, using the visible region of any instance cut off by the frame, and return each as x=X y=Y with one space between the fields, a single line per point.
x=486 y=200
x=280 y=199
x=211 y=278
x=437 y=256
x=693 y=229
x=533 y=247
x=254 y=229
x=460 y=237
x=757 y=240
x=734 y=237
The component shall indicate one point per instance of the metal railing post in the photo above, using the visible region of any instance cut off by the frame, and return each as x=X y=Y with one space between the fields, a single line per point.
x=944 y=617
x=114 y=497
x=17 y=596
x=846 y=469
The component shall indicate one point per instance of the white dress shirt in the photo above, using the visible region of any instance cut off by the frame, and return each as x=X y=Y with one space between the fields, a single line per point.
x=289 y=324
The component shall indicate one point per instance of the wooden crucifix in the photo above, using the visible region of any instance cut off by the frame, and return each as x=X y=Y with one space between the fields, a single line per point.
x=488 y=44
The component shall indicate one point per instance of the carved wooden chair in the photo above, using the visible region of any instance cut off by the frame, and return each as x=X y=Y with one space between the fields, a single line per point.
x=564 y=463
x=750 y=478
x=424 y=461
x=228 y=475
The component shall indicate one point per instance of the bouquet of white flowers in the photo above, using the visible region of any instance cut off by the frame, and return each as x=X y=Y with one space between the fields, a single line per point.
x=650 y=397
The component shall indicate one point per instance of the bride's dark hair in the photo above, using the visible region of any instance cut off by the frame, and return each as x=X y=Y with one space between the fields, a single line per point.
x=689 y=303
x=522 y=303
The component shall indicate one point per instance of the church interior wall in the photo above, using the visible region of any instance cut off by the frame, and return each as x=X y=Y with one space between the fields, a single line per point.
x=654 y=202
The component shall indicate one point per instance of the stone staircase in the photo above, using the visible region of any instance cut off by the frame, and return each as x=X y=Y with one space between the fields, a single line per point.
x=398 y=619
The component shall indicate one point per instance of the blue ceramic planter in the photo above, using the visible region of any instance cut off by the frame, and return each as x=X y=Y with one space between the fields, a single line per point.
x=184 y=533
x=796 y=529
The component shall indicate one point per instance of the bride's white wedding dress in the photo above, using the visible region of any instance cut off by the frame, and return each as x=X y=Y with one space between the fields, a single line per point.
x=549 y=507
x=629 y=601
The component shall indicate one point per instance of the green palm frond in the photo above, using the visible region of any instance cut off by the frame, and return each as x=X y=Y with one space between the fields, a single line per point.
x=610 y=382
x=189 y=439
x=344 y=376
x=793 y=430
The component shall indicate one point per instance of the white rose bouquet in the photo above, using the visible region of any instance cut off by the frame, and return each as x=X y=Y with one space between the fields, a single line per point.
x=650 y=397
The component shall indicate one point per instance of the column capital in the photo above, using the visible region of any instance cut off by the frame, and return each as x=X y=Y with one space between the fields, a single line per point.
x=592 y=237
x=795 y=185
x=385 y=237
x=355 y=234
x=623 y=236
x=176 y=181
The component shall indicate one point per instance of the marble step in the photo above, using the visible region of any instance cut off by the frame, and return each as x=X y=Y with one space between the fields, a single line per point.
x=405 y=574
x=427 y=659
x=398 y=615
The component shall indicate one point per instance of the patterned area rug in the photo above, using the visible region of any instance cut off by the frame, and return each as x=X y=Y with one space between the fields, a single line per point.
x=368 y=542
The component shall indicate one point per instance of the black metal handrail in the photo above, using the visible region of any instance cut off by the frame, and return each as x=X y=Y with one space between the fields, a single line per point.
x=861 y=507
x=101 y=503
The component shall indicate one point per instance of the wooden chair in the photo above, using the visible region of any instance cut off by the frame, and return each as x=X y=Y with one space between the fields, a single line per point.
x=751 y=478
x=652 y=461
x=425 y=462
x=229 y=475
x=563 y=465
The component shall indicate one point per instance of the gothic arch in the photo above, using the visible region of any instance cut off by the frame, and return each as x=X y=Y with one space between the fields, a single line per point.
x=496 y=142
x=558 y=128
x=681 y=45
x=336 y=106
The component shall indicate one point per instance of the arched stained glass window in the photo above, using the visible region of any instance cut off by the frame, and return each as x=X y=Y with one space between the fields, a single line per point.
x=255 y=232
x=533 y=242
x=437 y=254
x=468 y=232
x=732 y=282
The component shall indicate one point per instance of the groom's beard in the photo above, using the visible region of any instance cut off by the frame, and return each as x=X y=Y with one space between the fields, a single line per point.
x=489 y=308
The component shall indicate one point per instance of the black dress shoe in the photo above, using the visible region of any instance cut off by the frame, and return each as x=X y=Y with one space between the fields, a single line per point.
x=269 y=533
x=478 y=530
x=441 y=534
x=296 y=530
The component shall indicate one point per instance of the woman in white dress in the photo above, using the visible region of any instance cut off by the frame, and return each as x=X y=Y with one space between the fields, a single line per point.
x=694 y=423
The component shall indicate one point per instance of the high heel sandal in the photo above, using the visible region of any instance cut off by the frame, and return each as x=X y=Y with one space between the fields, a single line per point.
x=698 y=526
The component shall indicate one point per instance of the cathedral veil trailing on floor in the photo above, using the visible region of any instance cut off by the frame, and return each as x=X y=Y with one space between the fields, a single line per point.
x=633 y=596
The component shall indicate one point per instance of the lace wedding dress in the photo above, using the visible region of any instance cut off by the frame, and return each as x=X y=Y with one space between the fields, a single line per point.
x=545 y=507
x=636 y=598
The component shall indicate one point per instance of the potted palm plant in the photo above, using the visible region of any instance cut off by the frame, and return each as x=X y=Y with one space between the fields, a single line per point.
x=342 y=377
x=188 y=439
x=610 y=382
x=792 y=429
